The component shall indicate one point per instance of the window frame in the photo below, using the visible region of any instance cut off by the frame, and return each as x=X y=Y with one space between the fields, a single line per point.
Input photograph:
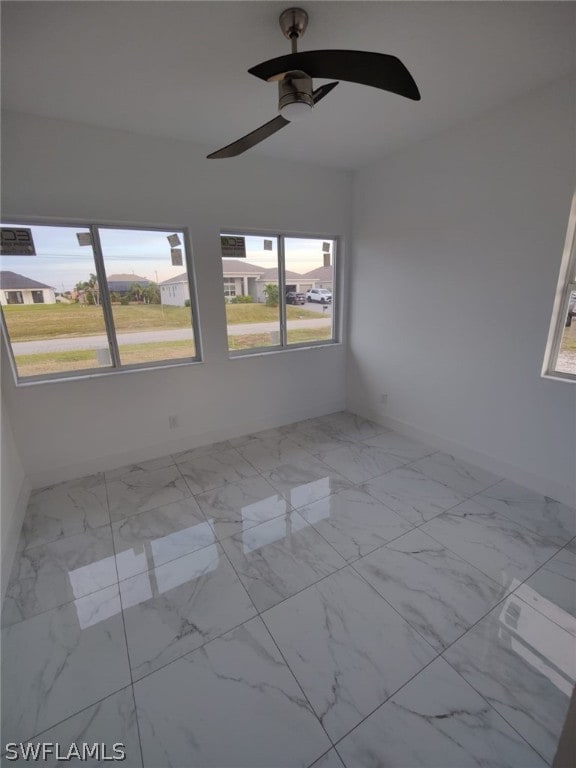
x=566 y=285
x=116 y=366
x=337 y=292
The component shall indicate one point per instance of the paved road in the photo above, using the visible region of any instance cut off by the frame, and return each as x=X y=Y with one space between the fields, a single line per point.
x=143 y=337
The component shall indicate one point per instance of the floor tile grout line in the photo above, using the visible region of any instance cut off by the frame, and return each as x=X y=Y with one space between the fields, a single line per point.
x=397 y=690
x=502 y=600
x=450 y=509
x=137 y=719
x=350 y=562
x=490 y=577
x=314 y=584
x=440 y=655
x=259 y=616
x=289 y=668
x=322 y=756
x=74 y=714
x=559 y=548
x=347 y=564
x=493 y=708
x=365 y=580
x=128 y=660
x=147 y=570
x=404 y=465
x=199 y=647
x=20 y=554
x=60 y=605
x=105 y=482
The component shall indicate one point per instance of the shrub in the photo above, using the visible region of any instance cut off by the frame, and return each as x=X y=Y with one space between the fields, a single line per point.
x=242 y=300
x=125 y=300
x=272 y=295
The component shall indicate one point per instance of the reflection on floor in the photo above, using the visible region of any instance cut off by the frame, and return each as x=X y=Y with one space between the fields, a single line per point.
x=328 y=593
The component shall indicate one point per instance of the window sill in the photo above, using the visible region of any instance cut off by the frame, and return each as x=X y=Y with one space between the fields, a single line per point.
x=82 y=376
x=567 y=378
x=242 y=354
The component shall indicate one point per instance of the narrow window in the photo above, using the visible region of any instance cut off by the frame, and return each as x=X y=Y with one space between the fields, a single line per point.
x=54 y=338
x=152 y=325
x=252 y=295
x=309 y=276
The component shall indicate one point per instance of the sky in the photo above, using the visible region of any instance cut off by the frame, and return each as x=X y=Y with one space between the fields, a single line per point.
x=61 y=262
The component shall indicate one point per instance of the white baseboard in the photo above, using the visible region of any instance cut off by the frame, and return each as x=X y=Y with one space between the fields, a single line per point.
x=543 y=485
x=114 y=460
x=11 y=534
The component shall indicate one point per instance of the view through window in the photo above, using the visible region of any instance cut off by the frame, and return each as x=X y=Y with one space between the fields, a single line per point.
x=566 y=357
x=560 y=357
x=281 y=294
x=97 y=298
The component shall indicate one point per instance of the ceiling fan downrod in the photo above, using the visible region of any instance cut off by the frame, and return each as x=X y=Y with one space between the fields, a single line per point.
x=293 y=23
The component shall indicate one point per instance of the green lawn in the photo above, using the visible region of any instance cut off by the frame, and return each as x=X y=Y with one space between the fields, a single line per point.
x=45 y=321
x=260 y=313
x=295 y=336
x=82 y=359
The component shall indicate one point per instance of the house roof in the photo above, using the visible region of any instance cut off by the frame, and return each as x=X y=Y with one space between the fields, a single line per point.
x=12 y=281
x=238 y=267
x=181 y=278
x=272 y=274
x=320 y=273
x=122 y=278
x=230 y=267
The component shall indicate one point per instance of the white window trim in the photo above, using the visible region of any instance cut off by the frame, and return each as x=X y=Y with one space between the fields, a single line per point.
x=337 y=290
x=117 y=368
x=566 y=284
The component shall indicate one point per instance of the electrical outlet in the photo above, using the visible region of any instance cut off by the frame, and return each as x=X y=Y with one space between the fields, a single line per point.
x=173 y=422
x=383 y=398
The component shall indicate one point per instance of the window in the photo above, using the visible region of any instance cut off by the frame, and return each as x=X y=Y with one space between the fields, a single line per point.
x=560 y=357
x=285 y=290
x=229 y=287
x=95 y=299
x=14 y=297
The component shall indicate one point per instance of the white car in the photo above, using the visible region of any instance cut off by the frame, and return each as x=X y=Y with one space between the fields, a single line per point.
x=323 y=295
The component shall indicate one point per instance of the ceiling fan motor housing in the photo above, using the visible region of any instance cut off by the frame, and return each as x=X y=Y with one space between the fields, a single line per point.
x=295 y=88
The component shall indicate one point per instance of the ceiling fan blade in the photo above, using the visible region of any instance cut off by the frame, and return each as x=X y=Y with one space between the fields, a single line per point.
x=376 y=69
x=251 y=139
x=324 y=90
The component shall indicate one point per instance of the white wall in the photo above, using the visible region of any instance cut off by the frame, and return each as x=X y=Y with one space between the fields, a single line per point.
x=71 y=171
x=457 y=243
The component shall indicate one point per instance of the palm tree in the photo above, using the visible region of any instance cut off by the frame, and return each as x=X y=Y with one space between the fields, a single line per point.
x=151 y=294
x=136 y=292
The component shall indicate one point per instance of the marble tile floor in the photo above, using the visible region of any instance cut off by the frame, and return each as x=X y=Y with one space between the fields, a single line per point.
x=327 y=594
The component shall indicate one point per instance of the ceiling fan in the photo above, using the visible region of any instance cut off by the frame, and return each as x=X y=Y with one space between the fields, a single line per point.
x=294 y=73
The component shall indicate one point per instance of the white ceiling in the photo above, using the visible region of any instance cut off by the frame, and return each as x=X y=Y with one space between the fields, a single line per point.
x=178 y=69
